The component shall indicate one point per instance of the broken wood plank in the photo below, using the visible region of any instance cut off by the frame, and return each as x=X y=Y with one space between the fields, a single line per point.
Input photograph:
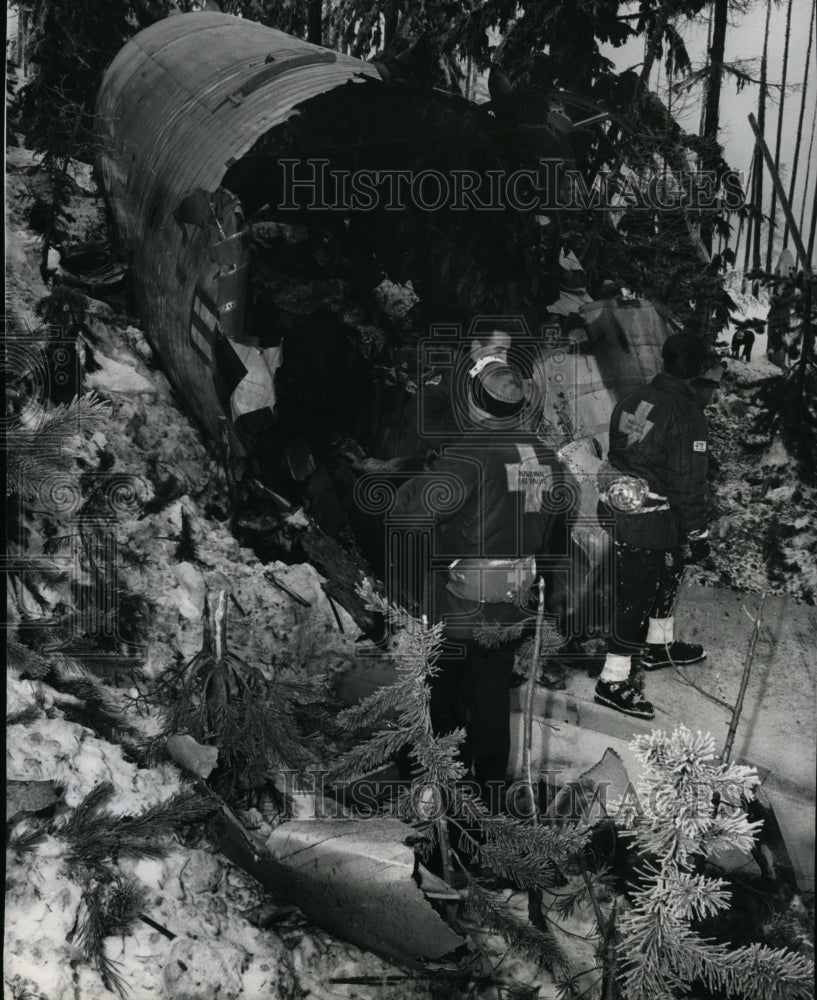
x=271 y=577
x=343 y=572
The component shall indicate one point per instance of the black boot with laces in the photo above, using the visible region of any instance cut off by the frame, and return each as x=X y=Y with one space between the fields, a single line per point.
x=682 y=654
x=622 y=696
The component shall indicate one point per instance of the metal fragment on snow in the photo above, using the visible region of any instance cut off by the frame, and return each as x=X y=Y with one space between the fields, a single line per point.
x=353 y=878
x=192 y=756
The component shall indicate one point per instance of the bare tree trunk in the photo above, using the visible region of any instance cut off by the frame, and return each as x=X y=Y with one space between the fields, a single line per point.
x=800 y=125
x=772 y=212
x=705 y=95
x=314 y=22
x=713 y=100
x=750 y=218
x=808 y=173
x=390 y=16
x=649 y=56
x=761 y=121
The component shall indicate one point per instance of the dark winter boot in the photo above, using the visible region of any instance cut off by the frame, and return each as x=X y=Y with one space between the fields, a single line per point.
x=682 y=654
x=622 y=696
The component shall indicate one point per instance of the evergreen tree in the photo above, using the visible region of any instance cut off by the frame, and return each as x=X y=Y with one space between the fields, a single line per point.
x=71 y=43
x=673 y=824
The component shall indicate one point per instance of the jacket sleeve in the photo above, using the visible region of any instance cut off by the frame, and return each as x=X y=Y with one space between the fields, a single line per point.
x=438 y=493
x=685 y=473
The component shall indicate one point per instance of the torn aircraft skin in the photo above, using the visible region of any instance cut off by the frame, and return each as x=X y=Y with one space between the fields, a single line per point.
x=182 y=102
x=357 y=879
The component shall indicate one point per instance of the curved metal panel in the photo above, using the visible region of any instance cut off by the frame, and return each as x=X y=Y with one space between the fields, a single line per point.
x=183 y=100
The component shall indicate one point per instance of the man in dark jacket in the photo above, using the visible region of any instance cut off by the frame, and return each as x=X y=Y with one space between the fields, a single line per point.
x=494 y=518
x=655 y=500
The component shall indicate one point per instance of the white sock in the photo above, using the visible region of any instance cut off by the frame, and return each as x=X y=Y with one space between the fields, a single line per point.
x=616 y=667
x=661 y=631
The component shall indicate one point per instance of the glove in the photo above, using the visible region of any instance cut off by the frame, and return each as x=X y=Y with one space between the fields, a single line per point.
x=698 y=547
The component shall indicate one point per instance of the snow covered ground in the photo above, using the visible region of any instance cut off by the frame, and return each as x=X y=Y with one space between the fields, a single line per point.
x=195 y=894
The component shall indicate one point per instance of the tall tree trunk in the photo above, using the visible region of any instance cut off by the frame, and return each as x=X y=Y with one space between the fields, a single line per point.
x=709 y=70
x=761 y=121
x=390 y=17
x=800 y=125
x=750 y=217
x=808 y=172
x=314 y=22
x=713 y=100
x=773 y=210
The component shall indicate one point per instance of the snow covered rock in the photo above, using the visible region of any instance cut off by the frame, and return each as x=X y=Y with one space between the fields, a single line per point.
x=195 y=970
x=116 y=376
x=61 y=751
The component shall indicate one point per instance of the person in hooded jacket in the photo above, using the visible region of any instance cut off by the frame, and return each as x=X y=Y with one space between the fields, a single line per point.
x=655 y=501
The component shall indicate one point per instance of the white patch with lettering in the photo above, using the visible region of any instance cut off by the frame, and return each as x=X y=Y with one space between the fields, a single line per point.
x=699 y=445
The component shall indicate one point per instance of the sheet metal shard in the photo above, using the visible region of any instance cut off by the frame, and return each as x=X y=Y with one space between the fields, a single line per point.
x=585 y=799
x=353 y=878
x=192 y=756
x=30 y=797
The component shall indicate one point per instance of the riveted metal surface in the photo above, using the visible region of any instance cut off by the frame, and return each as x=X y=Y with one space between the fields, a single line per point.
x=182 y=100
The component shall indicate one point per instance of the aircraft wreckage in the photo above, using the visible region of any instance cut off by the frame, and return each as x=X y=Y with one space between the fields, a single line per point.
x=256 y=291
x=258 y=283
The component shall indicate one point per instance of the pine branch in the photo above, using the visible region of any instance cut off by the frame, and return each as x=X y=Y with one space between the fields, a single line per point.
x=44 y=448
x=182 y=809
x=492 y=636
x=658 y=952
x=25 y=716
x=660 y=955
x=372 y=753
x=27 y=840
x=565 y=904
x=417 y=649
x=531 y=857
x=525 y=939
x=374 y=706
x=123 y=903
x=90 y=940
x=25 y=661
x=96 y=710
x=96 y=837
x=257 y=724
x=679 y=779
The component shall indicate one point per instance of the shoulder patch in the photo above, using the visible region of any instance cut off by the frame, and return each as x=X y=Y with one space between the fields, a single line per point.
x=699 y=445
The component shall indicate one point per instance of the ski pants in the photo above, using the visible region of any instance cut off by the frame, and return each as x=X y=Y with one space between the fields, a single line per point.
x=472 y=691
x=646 y=585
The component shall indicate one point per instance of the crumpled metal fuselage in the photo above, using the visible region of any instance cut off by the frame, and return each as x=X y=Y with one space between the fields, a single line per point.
x=181 y=102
